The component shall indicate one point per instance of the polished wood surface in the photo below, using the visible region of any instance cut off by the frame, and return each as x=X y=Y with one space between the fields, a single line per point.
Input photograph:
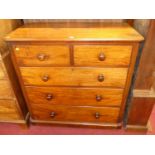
x=2 y=75
x=102 y=32
x=12 y=106
x=143 y=98
x=9 y=110
x=74 y=96
x=145 y=77
x=144 y=93
x=129 y=79
x=141 y=110
x=5 y=90
x=102 y=55
x=32 y=55
x=11 y=99
x=14 y=81
x=75 y=114
x=70 y=76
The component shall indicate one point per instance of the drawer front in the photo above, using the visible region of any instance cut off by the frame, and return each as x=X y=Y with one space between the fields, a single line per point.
x=75 y=114
x=105 y=55
x=8 y=110
x=74 y=96
x=42 y=55
x=69 y=76
x=5 y=90
x=2 y=74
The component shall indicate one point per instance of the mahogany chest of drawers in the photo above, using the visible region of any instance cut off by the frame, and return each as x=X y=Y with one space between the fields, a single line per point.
x=77 y=75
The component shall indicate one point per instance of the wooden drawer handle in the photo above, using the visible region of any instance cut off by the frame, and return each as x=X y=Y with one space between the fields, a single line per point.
x=97 y=115
x=101 y=57
x=98 y=98
x=101 y=77
x=45 y=78
x=53 y=114
x=49 y=97
x=41 y=57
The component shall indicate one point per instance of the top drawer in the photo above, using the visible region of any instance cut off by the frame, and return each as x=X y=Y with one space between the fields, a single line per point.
x=33 y=55
x=102 y=55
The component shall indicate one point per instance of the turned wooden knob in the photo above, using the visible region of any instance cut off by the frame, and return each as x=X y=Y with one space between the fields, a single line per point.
x=41 y=57
x=97 y=115
x=101 y=77
x=45 y=78
x=98 y=97
x=101 y=57
x=49 y=96
x=53 y=114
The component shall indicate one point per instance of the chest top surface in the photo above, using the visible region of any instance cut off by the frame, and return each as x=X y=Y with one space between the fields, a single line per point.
x=75 y=32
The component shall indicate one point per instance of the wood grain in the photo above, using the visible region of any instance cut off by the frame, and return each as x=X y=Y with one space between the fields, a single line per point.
x=140 y=111
x=8 y=110
x=74 y=96
x=53 y=55
x=144 y=93
x=143 y=98
x=14 y=82
x=10 y=94
x=5 y=90
x=115 y=55
x=70 y=76
x=129 y=79
x=2 y=75
x=45 y=32
x=146 y=67
x=75 y=114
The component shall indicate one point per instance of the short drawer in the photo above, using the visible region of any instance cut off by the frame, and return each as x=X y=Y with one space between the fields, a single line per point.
x=41 y=55
x=70 y=76
x=102 y=55
x=8 y=110
x=74 y=96
x=5 y=90
x=75 y=114
x=2 y=74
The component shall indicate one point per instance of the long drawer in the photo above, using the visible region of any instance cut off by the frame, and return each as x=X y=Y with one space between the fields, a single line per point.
x=74 y=96
x=75 y=114
x=74 y=76
x=41 y=55
x=8 y=110
x=102 y=55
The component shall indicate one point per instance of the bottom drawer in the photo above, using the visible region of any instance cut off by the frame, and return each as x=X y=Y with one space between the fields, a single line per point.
x=75 y=114
x=8 y=110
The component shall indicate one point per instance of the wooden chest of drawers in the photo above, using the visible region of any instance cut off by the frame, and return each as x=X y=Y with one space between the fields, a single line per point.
x=75 y=75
